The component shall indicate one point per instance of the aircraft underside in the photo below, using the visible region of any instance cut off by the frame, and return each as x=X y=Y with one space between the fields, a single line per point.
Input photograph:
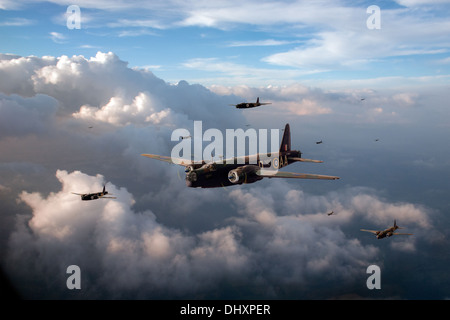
x=220 y=178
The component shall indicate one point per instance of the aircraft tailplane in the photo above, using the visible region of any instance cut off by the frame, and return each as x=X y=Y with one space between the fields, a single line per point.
x=286 y=141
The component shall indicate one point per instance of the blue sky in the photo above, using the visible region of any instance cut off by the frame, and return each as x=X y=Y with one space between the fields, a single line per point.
x=79 y=107
x=251 y=43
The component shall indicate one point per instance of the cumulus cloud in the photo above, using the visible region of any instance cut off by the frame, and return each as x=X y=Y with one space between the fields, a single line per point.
x=141 y=110
x=20 y=70
x=303 y=246
x=127 y=254
x=105 y=82
x=285 y=208
x=378 y=211
x=89 y=119
x=127 y=250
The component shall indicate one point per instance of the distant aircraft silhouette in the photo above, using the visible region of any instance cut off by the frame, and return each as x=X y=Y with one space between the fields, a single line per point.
x=389 y=232
x=247 y=105
x=93 y=196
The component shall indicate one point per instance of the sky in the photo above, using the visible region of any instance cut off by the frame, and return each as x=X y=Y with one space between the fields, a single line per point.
x=78 y=107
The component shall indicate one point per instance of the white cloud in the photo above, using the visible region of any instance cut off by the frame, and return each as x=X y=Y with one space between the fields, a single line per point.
x=135 y=33
x=444 y=61
x=143 y=109
x=379 y=211
x=137 y=23
x=346 y=46
x=134 y=251
x=260 y=43
x=233 y=72
x=16 y=22
x=413 y=3
x=106 y=82
x=300 y=100
x=263 y=14
x=58 y=37
x=407 y=99
x=328 y=36
x=160 y=239
x=20 y=70
x=292 y=99
x=9 y=5
x=297 y=217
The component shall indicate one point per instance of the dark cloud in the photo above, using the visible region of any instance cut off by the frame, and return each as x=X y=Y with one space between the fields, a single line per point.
x=129 y=254
x=24 y=116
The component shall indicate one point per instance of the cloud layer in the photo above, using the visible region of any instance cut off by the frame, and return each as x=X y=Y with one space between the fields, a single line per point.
x=128 y=254
x=74 y=124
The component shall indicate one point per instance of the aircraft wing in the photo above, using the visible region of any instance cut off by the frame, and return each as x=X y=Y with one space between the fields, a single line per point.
x=181 y=162
x=371 y=231
x=304 y=160
x=402 y=234
x=282 y=174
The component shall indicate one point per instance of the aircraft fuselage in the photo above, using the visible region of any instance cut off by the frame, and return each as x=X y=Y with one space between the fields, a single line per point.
x=247 y=105
x=92 y=196
x=243 y=169
x=213 y=175
x=386 y=233
x=217 y=177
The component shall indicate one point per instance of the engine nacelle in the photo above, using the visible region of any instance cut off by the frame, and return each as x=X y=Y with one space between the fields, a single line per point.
x=245 y=174
x=188 y=169
x=236 y=175
x=191 y=176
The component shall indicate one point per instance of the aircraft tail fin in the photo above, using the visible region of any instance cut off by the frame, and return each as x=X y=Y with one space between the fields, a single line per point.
x=104 y=188
x=396 y=226
x=286 y=141
x=257 y=100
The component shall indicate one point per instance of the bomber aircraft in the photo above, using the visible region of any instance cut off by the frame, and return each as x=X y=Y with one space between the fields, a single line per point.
x=246 y=105
x=389 y=232
x=93 y=196
x=239 y=170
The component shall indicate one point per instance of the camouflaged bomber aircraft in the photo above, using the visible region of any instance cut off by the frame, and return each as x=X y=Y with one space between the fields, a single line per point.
x=95 y=195
x=239 y=170
x=389 y=232
x=247 y=105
